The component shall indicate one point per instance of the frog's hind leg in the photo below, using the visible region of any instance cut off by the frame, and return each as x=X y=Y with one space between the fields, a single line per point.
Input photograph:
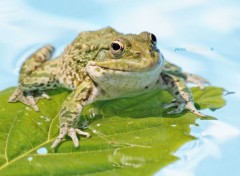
x=28 y=91
x=29 y=98
x=35 y=61
x=195 y=79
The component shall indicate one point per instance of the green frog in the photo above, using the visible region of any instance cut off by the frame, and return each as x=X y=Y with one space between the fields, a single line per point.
x=102 y=65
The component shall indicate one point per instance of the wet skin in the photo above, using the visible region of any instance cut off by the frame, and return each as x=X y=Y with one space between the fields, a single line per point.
x=102 y=65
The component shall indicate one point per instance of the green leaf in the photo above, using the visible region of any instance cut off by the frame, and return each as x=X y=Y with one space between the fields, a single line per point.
x=130 y=136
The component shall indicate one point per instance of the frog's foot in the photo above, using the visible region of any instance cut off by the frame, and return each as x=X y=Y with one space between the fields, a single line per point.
x=28 y=98
x=72 y=132
x=181 y=105
x=198 y=80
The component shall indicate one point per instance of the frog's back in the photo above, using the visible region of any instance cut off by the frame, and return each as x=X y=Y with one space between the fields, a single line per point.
x=93 y=38
x=87 y=44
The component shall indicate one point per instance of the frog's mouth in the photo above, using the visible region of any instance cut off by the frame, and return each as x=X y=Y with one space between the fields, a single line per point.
x=123 y=69
x=130 y=65
x=122 y=80
x=94 y=67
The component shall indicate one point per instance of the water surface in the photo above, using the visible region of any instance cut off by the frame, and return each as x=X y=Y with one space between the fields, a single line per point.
x=200 y=36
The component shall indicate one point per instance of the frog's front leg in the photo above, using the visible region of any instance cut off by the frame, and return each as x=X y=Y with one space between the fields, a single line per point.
x=183 y=96
x=69 y=116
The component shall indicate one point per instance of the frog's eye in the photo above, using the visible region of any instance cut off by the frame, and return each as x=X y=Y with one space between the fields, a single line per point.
x=117 y=48
x=153 y=39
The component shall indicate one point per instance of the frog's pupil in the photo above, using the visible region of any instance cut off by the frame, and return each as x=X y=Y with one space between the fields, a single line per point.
x=116 y=46
x=154 y=38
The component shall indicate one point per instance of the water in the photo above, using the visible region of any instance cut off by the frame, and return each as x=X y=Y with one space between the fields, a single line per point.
x=42 y=151
x=200 y=36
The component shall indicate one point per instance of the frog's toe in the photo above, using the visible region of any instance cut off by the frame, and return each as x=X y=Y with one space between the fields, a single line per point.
x=73 y=135
x=180 y=107
x=40 y=95
x=58 y=140
x=45 y=96
x=190 y=106
x=16 y=95
x=169 y=105
x=32 y=102
x=80 y=132
x=26 y=98
x=72 y=132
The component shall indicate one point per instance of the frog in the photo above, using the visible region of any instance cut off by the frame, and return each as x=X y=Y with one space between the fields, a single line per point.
x=102 y=65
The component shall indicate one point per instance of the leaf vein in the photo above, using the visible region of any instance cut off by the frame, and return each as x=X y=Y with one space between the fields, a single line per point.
x=8 y=136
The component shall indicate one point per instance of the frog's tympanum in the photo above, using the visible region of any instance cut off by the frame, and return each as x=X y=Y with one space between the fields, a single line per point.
x=102 y=65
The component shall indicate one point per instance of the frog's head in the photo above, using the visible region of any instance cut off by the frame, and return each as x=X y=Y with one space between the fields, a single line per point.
x=128 y=54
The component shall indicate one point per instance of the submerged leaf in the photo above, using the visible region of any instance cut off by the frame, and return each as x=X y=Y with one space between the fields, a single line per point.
x=130 y=136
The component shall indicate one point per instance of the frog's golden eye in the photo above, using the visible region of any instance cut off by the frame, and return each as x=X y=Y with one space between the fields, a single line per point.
x=153 y=38
x=117 y=48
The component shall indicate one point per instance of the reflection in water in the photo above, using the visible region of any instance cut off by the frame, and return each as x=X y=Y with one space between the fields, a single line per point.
x=207 y=145
x=120 y=160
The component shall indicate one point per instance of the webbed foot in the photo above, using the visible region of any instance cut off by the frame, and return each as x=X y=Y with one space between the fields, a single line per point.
x=72 y=132
x=28 y=98
x=182 y=105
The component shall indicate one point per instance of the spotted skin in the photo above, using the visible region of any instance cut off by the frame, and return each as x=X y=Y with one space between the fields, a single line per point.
x=178 y=88
x=100 y=65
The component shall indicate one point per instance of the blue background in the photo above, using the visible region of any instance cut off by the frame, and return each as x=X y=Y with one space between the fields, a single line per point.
x=201 y=36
